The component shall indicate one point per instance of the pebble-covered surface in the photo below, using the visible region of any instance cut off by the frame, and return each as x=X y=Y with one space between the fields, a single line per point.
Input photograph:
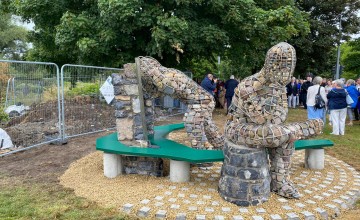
x=323 y=193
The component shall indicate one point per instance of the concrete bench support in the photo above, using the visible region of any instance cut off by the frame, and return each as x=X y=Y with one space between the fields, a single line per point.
x=179 y=171
x=314 y=159
x=113 y=165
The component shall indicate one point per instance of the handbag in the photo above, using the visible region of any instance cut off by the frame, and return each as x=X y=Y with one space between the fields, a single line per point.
x=319 y=101
x=349 y=100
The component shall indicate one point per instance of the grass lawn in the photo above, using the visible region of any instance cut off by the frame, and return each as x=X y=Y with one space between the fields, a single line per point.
x=24 y=198
x=347 y=147
x=48 y=201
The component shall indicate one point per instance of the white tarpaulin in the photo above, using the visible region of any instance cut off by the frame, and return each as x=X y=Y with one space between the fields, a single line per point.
x=107 y=90
x=17 y=108
x=5 y=140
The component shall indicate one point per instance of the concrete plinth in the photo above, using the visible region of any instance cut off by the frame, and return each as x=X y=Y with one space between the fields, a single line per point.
x=314 y=159
x=113 y=165
x=179 y=171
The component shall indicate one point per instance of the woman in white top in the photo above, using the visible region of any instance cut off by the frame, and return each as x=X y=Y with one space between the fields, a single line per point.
x=313 y=112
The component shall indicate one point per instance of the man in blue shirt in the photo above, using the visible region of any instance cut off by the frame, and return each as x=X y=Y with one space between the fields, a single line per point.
x=208 y=83
x=230 y=86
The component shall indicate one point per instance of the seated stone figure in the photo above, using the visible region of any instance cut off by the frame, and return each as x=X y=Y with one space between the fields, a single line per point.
x=258 y=112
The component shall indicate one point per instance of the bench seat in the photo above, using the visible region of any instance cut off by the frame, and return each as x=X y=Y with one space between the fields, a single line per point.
x=181 y=155
x=312 y=144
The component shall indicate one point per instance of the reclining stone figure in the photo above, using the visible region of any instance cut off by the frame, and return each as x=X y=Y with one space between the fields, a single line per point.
x=160 y=81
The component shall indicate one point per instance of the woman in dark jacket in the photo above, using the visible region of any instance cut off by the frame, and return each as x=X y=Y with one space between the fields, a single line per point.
x=337 y=106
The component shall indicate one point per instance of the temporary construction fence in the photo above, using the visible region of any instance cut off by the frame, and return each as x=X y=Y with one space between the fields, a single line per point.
x=83 y=108
x=30 y=93
x=48 y=104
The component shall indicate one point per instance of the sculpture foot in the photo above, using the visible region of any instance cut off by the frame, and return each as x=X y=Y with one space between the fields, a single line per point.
x=287 y=190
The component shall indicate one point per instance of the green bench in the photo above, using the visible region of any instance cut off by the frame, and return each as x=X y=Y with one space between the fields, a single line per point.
x=314 y=152
x=181 y=155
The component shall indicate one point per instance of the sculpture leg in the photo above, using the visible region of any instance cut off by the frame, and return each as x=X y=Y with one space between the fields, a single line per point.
x=213 y=135
x=194 y=125
x=211 y=130
x=280 y=167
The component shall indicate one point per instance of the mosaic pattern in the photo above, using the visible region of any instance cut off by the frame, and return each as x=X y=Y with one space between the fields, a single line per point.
x=160 y=81
x=258 y=111
x=322 y=194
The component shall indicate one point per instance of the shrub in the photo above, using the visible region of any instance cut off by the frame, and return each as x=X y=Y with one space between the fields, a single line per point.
x=91 y=89
x=3 y=116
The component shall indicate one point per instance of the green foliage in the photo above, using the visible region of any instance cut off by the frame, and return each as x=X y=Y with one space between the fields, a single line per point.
x=315 y=51
x=3 y=116
x=84 y=89
x=12 y=38
x=350 y=59
x=111 y=33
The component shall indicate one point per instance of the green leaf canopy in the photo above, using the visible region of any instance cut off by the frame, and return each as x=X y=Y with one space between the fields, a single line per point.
x=177 y=32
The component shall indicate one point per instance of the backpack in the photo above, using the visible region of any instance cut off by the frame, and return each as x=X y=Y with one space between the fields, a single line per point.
x=319 y=101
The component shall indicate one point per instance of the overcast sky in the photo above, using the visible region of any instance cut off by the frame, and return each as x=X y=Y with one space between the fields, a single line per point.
x=17 y=20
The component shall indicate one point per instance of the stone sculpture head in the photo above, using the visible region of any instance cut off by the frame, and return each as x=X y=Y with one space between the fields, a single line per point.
x=280 y=63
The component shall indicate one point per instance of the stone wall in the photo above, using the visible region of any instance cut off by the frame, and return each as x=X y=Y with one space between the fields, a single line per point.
x=129 y=121
x=128 y=108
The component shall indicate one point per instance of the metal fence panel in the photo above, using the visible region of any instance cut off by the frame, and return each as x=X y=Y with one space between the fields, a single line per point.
x=29 y=94
x=84 y=110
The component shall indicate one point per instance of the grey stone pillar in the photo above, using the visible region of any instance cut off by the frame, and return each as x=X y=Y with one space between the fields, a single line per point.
x=245 y=178
x=128 y=110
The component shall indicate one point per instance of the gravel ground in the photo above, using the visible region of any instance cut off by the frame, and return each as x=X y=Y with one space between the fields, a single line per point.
x=199 y=196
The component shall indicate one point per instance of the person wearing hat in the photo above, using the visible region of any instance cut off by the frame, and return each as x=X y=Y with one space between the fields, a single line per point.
x=304 y=88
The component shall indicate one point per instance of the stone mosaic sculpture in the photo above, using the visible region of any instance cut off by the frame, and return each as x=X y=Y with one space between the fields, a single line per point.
x=135 y=91
x=256 y=121
x=159 y=81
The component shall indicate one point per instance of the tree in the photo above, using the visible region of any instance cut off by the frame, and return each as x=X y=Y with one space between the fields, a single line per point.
x=12 y=38
x=315 y=51
x=177 y=33
x=350 y=59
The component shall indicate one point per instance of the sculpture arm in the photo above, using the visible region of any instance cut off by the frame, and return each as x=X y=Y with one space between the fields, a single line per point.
x=270 y=135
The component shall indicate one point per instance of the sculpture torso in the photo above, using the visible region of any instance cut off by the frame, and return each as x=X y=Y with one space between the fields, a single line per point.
x=259 y=102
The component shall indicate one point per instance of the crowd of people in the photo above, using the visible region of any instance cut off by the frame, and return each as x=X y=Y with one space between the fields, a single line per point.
x=222 y=91
x=341 y=97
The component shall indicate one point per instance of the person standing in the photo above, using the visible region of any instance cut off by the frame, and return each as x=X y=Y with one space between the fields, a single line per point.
x=323 y=83
x=299 y=92
x=337 y=106
x=314 y=112
x=357 y=109
x=304 y=88
x=230 y=86
x=328 y=86
x=208 y=84
x=298 y=85
x=354 y=94
x=292 y=92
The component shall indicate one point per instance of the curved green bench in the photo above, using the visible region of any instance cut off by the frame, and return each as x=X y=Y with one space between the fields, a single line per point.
x=166 y=148
x=181 y=155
